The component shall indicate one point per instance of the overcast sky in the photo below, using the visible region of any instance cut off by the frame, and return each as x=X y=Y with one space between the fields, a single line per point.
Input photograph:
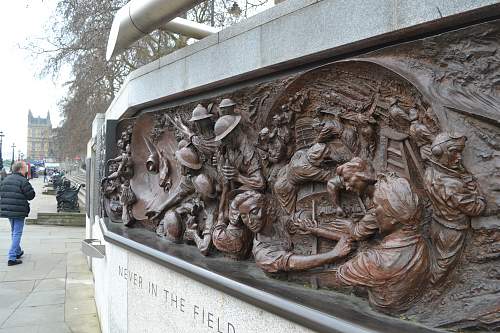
x=20 y=87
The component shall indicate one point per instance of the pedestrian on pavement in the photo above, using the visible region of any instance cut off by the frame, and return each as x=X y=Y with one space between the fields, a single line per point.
x=15 y=191
x=45 y=175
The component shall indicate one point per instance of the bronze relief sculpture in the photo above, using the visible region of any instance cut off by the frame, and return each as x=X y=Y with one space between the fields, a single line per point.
x=116 y=186
x=395 y=270
x=455 y=197
x=347 y=176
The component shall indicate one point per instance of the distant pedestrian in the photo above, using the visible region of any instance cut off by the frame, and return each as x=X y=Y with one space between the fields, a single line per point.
x=15 y=191
x=44 y=175
x=3 y=174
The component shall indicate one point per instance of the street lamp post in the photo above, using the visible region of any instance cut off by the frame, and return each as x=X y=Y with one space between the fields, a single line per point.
x=1 y=159
x=12 y=162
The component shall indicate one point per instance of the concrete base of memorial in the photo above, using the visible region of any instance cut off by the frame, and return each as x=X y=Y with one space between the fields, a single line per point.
x=135 y=294
x=145 y=283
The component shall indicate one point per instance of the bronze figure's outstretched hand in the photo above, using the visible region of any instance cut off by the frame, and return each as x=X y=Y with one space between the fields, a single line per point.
x=306 y=225
x=343 y=247
x=179 y=125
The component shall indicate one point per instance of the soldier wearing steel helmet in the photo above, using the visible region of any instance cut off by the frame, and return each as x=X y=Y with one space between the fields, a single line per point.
x=190 y=163
x=202 y=137
x=193 y=183
x=226 y=107
x=455 y=197
x=237 y=161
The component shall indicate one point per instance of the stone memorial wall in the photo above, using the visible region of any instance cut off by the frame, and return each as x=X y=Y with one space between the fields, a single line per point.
x=363 y=189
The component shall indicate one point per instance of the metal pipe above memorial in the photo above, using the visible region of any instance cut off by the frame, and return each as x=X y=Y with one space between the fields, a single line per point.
x=138 y=18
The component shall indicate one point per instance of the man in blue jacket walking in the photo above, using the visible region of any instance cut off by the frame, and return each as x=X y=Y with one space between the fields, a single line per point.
x=15 y=191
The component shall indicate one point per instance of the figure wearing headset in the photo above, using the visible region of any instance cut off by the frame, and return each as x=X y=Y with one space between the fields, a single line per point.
x=455 y=197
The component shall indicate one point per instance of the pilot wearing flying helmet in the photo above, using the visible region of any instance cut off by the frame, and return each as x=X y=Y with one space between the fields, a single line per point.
x=455 y=197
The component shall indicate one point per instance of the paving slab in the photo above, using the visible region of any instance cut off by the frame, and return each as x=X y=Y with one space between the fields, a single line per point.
x=57 y=258
x=55 y=328
x=4 y=314
x=79 y=292
x=84 y=324
x=50 y=297
x=80 y=277
x=21 y=329
x=16 y=286
x=57 y=273
x=77 y=268
x=50 y=284
x=42 y=203
x=49 y=328
x=47 y=264
x=36 y=315
x=13 y=300
x=74 y=309
x=28 y=274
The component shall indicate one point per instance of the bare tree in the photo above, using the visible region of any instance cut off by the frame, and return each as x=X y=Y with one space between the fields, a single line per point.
x=78 y=39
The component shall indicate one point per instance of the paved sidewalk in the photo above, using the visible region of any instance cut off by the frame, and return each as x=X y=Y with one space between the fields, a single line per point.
x=52 y=290
x=43 y=202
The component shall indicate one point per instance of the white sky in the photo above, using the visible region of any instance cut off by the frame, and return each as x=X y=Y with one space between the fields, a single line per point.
x=20 y=87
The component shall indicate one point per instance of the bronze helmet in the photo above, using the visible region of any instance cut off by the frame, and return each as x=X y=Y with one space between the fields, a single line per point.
x=199 y=113
x=225 y=125
x=226 y=107
x=204 y=186
x=188 y=158
x=226 y=102
x=449 y=139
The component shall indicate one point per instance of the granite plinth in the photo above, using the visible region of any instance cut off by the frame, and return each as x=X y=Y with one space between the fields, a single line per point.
x=156 y=261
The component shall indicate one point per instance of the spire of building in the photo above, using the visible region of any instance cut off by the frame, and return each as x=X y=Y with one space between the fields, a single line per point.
x=48 y=118
x=30 y=116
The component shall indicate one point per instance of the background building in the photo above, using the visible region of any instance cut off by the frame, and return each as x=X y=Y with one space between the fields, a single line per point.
x=40 y=138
